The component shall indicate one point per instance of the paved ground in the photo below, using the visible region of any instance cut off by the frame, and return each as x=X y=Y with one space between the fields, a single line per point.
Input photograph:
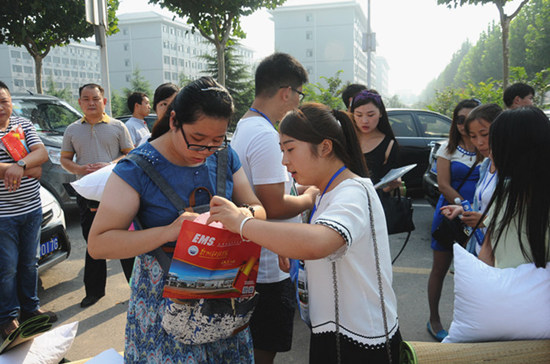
x=102 y=326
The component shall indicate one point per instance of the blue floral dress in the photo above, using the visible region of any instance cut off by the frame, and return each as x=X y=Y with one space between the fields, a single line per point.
x=146 y=341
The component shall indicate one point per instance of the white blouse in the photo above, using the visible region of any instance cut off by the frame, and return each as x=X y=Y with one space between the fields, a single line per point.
x=345 y=210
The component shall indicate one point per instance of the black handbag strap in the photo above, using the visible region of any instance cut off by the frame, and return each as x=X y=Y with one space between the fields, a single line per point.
x=171 y=194
x=467 y=175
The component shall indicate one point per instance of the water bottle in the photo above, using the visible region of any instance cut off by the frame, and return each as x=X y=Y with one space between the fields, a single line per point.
x=467 y=207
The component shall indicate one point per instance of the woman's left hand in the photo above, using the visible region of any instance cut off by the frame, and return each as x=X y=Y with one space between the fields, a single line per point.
x=226 y=212
x=392 y=185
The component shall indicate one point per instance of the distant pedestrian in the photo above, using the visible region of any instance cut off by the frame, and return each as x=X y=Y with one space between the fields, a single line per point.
x=518 y=95
x=138 y=104
x=350 y=92
x=20 y=219
x=97 y=140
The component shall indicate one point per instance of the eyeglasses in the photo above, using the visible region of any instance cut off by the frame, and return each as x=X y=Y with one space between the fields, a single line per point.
x=200 y=148
x=300 y=93
x=460 y=119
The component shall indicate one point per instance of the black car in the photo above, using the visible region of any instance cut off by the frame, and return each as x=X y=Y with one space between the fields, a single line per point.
x=50 y=117
x=416 y=132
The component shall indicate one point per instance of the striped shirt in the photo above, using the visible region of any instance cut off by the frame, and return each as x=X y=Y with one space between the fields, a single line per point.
x=27 y=198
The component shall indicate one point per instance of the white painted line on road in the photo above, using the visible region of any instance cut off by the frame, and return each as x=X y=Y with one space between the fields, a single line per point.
x=421 y=205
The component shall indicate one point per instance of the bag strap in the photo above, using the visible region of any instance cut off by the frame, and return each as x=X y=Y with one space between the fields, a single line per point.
x=378 y=272
x=172 y=195
x=467 y=175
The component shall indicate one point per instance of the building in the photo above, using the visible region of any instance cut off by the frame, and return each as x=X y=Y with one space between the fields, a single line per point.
x=381 y=71
x=325 y=38
x=69 y=67
x=162 y=49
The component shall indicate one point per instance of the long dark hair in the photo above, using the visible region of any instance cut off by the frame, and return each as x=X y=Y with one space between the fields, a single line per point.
x=372 y=97
x=520 y=144
x=454 y=135
x=201 y=97
x=312 y=123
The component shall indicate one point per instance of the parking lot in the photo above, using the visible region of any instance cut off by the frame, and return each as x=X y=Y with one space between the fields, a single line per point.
x=101 y=326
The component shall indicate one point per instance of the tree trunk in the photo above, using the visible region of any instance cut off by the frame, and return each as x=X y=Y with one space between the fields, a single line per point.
x=505 y=27
x=220 y=55
x=38 y=73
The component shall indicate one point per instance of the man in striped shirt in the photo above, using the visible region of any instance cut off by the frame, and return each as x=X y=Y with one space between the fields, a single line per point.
x=96 y=140
x=20 y=219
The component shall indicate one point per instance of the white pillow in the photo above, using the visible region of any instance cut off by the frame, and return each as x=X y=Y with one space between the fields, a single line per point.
x=91 y=186
x=48 y=348
x=493 y=304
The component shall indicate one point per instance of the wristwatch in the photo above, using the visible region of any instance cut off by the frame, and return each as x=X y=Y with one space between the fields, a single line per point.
x=21 y=163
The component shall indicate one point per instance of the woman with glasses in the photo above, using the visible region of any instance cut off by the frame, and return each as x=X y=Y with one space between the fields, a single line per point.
x=183 y=150
x=457 y=176
x=375 y=135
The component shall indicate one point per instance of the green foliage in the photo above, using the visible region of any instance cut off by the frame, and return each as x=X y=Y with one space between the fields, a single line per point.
x=40 y=25
x=328 y=92
x=64 y=94
x=138 y=83
x=393 y=101
x=238 y=81
x=490 y=91
x=217 y=20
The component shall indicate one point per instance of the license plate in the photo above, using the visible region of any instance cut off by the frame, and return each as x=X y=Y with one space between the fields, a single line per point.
x=49 y=246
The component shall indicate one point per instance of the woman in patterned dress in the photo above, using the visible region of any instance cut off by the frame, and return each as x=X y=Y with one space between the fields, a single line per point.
x=183 y=149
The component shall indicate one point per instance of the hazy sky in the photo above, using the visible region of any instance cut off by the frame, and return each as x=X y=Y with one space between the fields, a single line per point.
x=417 y=37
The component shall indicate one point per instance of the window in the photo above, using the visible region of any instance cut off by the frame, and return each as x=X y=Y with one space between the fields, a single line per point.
x=29 y=83
x=90 y=75
x=434 y=126
x=166 y=45
x=309 y=35
x=18 y=83
x=28 y=69
x=16 y=68
x=128 y=78
x=126 y=46
x=125 y=31
x=26 y=56
x=74 y=74
x=174 y=76
x=167 y=75
x=309 y=52
x=65 y=60
x=15 y=54
x=127 y=62
x=166 y=60
x=66 y=73
x=164 y=28
x=57 y=72
x=56 y=60
x=309 y=17
x=403 y=125
x=174 y=61
x=82 y=74
x=74 y=62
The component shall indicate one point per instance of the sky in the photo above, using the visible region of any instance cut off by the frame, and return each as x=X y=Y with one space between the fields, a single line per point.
x=417 y=37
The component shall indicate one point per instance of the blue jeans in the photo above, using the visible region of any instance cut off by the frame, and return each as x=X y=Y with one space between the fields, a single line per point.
x=19 y=238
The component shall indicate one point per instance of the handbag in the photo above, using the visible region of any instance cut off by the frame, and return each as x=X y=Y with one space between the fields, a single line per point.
x=450 y=231
x=399 y=212
x=198 y=321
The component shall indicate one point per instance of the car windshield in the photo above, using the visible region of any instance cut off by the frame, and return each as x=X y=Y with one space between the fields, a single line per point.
x=48 y=115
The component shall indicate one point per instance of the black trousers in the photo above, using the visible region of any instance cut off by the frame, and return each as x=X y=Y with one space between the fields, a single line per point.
x=95 y=270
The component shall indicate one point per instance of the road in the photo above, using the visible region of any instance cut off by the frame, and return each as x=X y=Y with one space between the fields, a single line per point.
x=101 y=326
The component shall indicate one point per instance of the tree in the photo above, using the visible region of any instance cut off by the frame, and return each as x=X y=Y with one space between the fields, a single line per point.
x=40 y=25
x=138 y=83
x=64 y=94
x=217 y=20
x=328 y=92
x=504 y=24
x=238 y=80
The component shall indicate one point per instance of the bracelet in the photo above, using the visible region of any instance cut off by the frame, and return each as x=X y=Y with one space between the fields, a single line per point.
x=242 y=225
x=250 y=208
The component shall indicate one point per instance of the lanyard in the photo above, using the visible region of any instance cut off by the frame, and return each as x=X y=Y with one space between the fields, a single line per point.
x=486 y=185
x=322 y=194
x=263 y=115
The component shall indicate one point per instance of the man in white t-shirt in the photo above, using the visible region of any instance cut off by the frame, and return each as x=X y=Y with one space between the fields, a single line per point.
x=139 y=106
x=279 y=79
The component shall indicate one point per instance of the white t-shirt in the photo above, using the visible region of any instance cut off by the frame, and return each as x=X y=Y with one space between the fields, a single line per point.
x=138 y=130
x=345 y=210
x=257 y=143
